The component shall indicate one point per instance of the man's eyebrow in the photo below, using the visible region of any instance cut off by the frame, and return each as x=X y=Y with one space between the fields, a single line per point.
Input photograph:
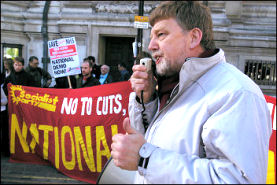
x=155 y=31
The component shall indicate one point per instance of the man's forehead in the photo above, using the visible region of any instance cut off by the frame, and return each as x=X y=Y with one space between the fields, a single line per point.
x=85 y=64
x=17 y=62
x=160 y=25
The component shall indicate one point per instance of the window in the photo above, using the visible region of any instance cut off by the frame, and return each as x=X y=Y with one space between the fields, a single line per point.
x=262 y=72
x=10 y=51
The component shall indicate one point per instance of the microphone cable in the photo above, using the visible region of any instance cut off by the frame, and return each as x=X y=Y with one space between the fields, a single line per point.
x=143 y=114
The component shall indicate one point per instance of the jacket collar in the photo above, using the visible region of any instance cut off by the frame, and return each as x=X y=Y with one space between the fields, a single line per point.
x=194 y=68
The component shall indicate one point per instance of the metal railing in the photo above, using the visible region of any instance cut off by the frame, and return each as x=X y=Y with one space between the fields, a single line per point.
x=262 y=72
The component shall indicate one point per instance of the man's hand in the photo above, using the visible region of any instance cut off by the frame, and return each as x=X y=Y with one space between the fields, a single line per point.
x=125 y=147
x=143 y=81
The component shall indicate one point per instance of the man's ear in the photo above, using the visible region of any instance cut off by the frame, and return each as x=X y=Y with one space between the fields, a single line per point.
x=196 y=37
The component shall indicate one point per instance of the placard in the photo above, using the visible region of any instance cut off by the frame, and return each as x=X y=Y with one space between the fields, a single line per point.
x=64 y=57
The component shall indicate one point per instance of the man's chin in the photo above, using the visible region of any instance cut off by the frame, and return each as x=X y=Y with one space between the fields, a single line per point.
x=166 y=73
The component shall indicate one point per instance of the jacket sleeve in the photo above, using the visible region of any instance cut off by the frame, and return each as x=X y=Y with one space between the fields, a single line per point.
x=236 y=138
x=4 y=99
x=5 y=85
x=47 y=76
x=135 y=109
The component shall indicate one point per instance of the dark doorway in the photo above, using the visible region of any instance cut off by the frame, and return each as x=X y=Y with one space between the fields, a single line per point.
x=118 y=50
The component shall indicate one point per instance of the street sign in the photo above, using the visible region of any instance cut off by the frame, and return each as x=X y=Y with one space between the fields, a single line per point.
x=141 y=22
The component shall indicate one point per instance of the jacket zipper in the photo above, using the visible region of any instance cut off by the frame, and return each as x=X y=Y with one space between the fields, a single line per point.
x=170 y=100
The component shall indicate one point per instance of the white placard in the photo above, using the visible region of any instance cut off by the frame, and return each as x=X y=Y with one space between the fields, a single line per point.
x=64 y=57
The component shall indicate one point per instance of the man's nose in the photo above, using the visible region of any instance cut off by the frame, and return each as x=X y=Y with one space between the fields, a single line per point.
x=153 y=45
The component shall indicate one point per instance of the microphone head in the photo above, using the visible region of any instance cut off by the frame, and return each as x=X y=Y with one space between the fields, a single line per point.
x=147 y=62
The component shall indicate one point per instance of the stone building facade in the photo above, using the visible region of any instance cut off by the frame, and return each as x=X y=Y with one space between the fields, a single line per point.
x=245 y=30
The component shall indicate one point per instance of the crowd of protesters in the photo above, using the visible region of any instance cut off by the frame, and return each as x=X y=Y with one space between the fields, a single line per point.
x=32 y=75
x=35 y=76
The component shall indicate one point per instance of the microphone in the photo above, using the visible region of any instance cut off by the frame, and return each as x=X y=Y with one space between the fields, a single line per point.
x=147 y=62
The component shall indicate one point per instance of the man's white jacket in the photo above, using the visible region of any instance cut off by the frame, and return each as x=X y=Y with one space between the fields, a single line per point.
x=214 y=129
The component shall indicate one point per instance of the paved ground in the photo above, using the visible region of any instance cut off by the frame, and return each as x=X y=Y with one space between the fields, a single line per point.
x=18 y=173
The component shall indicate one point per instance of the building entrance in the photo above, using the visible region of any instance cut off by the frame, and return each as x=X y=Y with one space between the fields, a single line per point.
x=119 y=50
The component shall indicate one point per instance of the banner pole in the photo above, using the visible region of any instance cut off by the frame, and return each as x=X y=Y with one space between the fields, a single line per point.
x=69 y=82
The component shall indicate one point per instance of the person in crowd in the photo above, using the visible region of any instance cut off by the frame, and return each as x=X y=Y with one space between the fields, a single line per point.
x=18 y=76
x=4 y=124
x=207 y=122
x=62 y=82
x=124 y=73
x=105 y=76
x=87 y=79
x=8 y=68
x=38 y=74
x=96 y=71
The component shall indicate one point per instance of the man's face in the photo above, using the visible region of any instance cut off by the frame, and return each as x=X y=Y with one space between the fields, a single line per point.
x=34 y=63
x=119 y=67
x=18 y=66
x=104 y=69
x=169 y=45
x=86 y=70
